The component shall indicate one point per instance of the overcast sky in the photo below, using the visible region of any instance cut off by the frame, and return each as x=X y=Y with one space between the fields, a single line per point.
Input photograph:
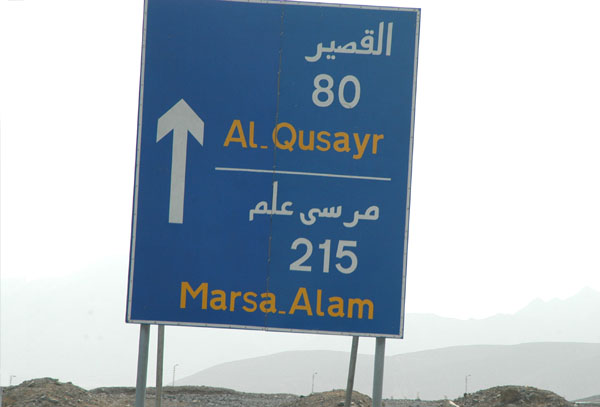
x=505 y=191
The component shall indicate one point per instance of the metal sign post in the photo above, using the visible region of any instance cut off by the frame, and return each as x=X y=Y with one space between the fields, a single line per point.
x=142 y=368
x=160 y=353
x=378 y=371
x=351 y=371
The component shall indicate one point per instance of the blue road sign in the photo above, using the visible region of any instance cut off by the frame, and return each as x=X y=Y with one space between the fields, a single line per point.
x=273 y=166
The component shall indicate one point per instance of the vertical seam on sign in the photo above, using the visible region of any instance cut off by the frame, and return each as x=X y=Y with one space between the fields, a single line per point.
x=275 y=150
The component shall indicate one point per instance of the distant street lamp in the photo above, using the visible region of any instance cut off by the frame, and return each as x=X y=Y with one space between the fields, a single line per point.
x=10 y=379
x=174 y=367
x=312 y=387
x=466 y=384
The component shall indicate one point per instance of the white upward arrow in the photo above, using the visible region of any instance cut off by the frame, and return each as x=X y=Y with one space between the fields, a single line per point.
x=181 y=119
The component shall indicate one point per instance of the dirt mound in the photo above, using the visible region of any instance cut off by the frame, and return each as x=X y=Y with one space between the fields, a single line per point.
x=333 y=398
x=417 y=403
x=47 y=392
x=513 y=396
x=52 y=393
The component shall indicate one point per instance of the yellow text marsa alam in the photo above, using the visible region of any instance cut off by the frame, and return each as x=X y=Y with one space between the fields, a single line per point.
x=286 y=137
x=311 y=304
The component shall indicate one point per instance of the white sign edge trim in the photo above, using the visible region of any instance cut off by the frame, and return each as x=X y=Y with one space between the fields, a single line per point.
x=317 y=4
x=410 y=162
x=138 y=151
x=264 y=328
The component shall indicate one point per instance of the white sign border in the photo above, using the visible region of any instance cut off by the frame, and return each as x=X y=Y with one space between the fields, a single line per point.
x=408 y=186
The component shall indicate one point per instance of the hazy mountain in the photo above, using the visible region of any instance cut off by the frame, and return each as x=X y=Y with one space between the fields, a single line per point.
x=591 y=399
x=575 y=319
x=72 y=328
x=569 y=369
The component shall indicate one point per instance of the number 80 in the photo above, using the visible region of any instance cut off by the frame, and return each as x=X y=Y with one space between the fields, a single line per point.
x=326 y=90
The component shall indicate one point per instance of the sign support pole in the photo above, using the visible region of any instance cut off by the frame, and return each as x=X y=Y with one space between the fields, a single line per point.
x=378 y=371
x=160 y=352
x=351 y=370
x=142 y=369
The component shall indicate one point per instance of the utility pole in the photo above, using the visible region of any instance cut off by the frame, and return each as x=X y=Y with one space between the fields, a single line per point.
x=466 y=384
x=174 y=367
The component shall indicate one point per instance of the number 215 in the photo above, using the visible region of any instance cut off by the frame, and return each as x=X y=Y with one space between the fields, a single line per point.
x=341 y=252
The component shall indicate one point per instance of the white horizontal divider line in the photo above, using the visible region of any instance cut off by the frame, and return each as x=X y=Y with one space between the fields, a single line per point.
x=312 y=174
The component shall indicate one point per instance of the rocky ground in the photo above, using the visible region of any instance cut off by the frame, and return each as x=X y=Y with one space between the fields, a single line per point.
x=52 y=393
